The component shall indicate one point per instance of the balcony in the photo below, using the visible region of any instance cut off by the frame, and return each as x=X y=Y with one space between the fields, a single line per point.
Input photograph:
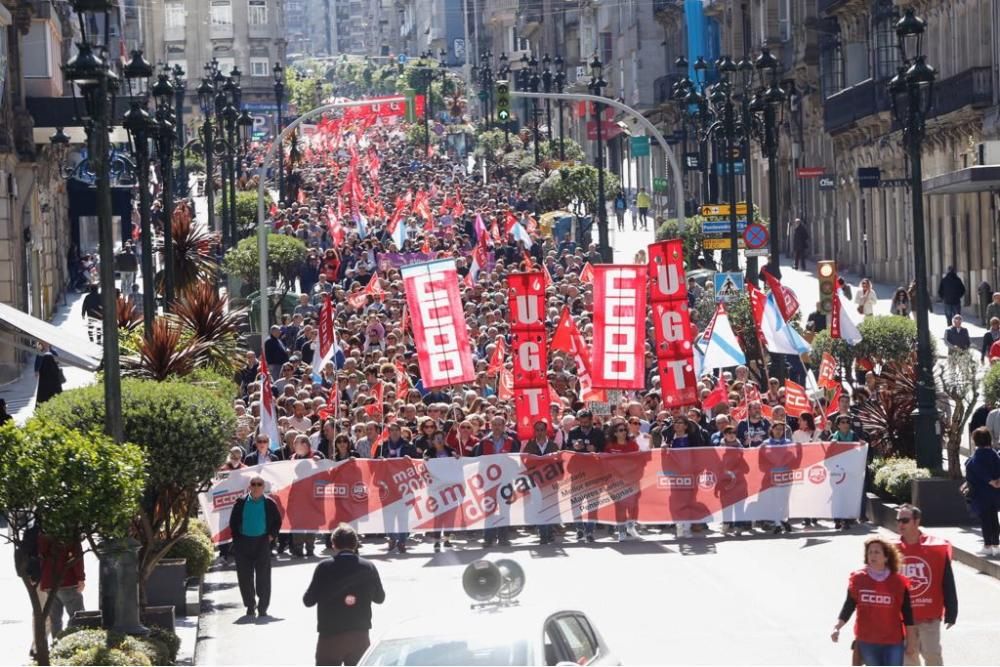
x=260 y=30
x=843 y=109
x=973 y=87
x=221 y=31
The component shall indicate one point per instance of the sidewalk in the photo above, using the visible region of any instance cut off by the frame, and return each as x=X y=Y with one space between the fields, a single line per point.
x=20 y=393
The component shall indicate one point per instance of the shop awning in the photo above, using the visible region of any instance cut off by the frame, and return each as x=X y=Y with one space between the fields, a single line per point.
x=982 y=178
x=71 y=349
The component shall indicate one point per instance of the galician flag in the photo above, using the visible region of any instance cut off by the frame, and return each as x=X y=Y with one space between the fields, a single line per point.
x=841 y=323
x=329 y=350
x=723 y=349
x=399 y=234
x=781 y=338
x=268 y=414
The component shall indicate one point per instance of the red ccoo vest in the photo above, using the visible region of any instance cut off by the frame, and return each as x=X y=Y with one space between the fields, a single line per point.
x=879 y=608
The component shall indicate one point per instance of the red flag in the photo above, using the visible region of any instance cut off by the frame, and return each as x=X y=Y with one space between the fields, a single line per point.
x=587 y=274
x=827 y=371
x=403 y=383
x=357 y=300
x=532 y=225
x=751 y=393
x=335 y=228
x=457 y=208
x=375 y=409
x=562 y=337
x=758 y=302
x=404 y=321
x=787 y=303
x=505 y=388
x=567 y=338
x=374 y=288
x=718 y=395
x=834 y=404
x=548 y=276
x=498 y=358
x=796 y=399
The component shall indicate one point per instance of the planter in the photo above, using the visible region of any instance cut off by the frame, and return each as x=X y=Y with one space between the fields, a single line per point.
x=86 y=619
x=940 y=502
x=162 y=616
x=167 y=585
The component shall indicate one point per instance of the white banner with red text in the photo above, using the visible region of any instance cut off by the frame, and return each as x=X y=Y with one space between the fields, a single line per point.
x=438 y=319
x=704 y=484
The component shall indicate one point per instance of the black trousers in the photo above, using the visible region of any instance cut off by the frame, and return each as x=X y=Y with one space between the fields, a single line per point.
x=253 y=571
x=991 y=526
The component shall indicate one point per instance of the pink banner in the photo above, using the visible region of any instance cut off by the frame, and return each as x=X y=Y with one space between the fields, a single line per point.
x=439 y=330
x=619 y=352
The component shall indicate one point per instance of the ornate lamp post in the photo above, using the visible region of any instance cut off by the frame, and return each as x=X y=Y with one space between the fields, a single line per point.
x=166 y=138
x=141 y=128
x=560 y=81
x=912 y=91
x=179 y=85
x=279 y=95
x=534 y=80
x=547 y=79
x=98 y=86
x=597 y=83
x=769 y=103
x=206 y=99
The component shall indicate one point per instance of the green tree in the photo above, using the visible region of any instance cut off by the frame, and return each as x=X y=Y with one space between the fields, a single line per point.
x=185 y=432
x=246 y=210
x=689 y=232
x=285 y=256
x=576 y=186
x=73 y=485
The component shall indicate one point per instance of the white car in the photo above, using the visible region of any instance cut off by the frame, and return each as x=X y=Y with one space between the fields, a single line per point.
x=511 y=635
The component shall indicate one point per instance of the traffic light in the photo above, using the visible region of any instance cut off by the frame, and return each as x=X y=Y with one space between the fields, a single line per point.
x=827 y=270
x=503 y=101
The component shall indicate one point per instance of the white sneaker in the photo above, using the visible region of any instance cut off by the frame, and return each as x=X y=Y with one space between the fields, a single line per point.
x=996 y=552
x=632 y=530
x=985 y=552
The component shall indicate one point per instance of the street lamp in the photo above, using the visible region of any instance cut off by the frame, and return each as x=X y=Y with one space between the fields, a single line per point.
x=206 y=99
x=279 y=94
x=141 y=127
x=97 y=84
x=596 y=84
x=547 y=79
x=912 y=91
x=560 y=81
x=179 y=85
x=534 y=80
x=770 y=103
x=166 y=138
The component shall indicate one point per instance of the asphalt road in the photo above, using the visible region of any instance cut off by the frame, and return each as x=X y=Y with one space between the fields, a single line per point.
x=759 y=600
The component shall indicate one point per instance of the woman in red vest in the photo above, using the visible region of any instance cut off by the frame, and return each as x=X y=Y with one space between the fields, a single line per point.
x=881 y=596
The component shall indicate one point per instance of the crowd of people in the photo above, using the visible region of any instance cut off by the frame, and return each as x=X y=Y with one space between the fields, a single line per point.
x=379 y=407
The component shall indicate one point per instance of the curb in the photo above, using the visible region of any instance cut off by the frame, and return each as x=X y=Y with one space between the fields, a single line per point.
x=884 y=514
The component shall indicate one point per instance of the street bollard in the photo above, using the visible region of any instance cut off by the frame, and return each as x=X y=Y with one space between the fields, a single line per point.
x=119 y=586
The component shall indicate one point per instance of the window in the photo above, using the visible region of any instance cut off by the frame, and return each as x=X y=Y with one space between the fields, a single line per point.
x=580 y=640
x=35 y=52
x=260 y=67
x=886 y=51
x=174 y=15
x=257 y=12
x=226 y=65
x=222 y=12
x=3 y=61
x=785 y=20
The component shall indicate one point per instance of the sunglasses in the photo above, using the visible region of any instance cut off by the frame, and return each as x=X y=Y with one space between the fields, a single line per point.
x=256 y=483
x=904 y=519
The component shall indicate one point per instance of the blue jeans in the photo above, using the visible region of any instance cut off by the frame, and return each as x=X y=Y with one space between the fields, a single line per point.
x=951 y=310
x=881 y=654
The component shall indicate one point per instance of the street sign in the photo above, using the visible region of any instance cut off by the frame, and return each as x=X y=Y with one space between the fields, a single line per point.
x=759 y=252
x=869 y=177
x=723 y=209
x=640 y=146
x=728 y=286
x=716 y=243
x=692 y=161
x=828 y=182
x=401 y=58
x=722 y=227
x=756 y=236
x=894 y=183
x=722 y=168
x=659 y=184
x=810 y=172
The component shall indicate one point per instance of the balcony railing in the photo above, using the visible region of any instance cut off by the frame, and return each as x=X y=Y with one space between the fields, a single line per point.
x=843 y=109
x=973 y=87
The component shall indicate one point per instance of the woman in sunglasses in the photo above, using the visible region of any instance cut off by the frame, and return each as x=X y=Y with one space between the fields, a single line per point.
x=626 y=509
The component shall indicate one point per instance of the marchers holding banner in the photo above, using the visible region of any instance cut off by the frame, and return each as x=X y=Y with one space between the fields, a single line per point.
x=526 y=295
x=439 y=331
x=619 y=352
x=703 y=484
x=672 y=324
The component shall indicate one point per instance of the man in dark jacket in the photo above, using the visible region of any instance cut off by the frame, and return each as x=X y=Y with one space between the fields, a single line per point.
x=800 y=243
x=950 y=291
x=343 y=589
x=276 y=353
x=254 y=523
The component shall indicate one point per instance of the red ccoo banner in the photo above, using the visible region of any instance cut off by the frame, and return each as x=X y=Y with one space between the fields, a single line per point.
x=672 y=323
x=526 y=294
x=619 y=326
x=441 y=338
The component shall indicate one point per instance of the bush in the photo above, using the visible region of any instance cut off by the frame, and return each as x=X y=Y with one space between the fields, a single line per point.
x=246 y=209
x=87 y=646
x=887 y=338
x=197 y=550
x=210 y=380
x=991 y=385
x=200 y=527
x=837 y=347
x=894 y=477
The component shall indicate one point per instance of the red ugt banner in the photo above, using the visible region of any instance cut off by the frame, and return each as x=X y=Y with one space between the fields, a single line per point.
x=526 y=294
x=619 y=326
x=441 y=338
x=672 y=323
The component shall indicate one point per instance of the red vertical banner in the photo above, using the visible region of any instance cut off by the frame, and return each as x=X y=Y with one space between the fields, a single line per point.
x=526 y=296
x=672 y=323
x=619 y=350
x=437 y=317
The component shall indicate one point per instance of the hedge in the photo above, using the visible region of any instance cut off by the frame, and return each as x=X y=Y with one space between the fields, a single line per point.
x=991 y=385
x=196 y=549
x=90 y=646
